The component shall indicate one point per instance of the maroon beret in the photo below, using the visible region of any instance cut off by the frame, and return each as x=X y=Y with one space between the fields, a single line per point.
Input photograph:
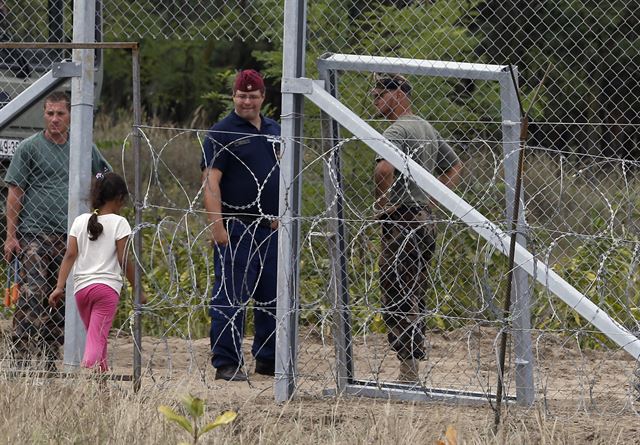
x=248 y=80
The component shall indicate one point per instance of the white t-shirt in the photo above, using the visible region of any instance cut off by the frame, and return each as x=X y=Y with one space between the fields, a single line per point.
x=97 y=261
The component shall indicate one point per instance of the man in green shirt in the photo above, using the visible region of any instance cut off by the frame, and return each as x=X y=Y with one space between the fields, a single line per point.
x=37 y=203
x=408 y=230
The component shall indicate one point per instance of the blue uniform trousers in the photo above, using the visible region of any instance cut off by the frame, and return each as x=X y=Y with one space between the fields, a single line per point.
x=245 y=268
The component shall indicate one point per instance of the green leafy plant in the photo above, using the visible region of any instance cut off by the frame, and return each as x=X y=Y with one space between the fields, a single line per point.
x=194 y=406
x=605 y=270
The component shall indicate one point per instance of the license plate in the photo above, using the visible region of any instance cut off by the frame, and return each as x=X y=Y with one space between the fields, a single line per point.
x=8 y=147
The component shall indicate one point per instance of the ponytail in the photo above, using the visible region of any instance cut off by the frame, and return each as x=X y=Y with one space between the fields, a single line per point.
x=106 y=187
x=94 y=227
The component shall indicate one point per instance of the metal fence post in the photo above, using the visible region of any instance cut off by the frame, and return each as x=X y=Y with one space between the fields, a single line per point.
x=137 y=240
x=336 y=238
x=80 y=143
x=521 y=313
x=290 y=201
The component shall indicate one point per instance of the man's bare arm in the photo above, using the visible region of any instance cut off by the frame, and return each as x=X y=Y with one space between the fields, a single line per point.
x=383 y=177
x=451 y=177
x=14 y=207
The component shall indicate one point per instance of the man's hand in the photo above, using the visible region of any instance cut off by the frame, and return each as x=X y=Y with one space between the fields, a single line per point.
x=384 y=213
x=451 y=177
x=383 y=177
x=219 y=235
x=11 y=248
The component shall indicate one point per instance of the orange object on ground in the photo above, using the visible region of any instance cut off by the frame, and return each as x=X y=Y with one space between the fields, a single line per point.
x=11 y=295
x=15 y=293
x=12 y=291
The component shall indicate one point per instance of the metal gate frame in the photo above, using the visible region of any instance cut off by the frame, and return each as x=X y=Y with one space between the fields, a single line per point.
x=329 y=65
x=295 y=87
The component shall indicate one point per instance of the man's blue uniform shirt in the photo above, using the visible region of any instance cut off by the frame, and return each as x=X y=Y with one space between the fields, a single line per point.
x=248 y=159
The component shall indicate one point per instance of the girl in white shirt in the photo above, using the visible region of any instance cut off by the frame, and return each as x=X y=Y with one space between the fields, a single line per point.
x=96 y=252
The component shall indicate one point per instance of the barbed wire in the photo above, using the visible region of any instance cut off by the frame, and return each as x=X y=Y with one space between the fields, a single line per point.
x=463 y=323
x=579 y=200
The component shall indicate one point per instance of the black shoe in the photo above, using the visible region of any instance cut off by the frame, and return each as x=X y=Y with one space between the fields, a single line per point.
x=230 y=373
x=265 y=367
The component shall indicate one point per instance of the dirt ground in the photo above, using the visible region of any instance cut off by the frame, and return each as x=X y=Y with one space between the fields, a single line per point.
x=567 y=380
x=581 y=391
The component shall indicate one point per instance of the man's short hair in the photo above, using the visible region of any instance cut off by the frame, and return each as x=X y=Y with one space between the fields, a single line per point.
x=58 y=96
x=385 y=81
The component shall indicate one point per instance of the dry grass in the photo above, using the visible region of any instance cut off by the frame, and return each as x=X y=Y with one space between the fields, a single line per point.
x=80 y=410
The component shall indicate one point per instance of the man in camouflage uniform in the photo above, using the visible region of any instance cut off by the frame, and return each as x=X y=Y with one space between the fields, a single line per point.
x=408 y=230
x=37 y=202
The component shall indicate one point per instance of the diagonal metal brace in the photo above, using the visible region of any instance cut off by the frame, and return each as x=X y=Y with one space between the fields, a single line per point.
x=28 y=97
x=300 y=85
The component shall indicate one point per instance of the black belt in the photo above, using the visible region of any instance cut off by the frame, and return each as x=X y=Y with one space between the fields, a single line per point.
x=260 y=221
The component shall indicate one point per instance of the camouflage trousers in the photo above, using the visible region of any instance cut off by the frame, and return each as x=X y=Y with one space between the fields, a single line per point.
x=38 y=329
x=408 y=243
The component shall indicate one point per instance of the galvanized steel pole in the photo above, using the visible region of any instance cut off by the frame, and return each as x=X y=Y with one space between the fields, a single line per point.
x=290 y=201
x=519 y=284
x=137 y=237
x=80 y=142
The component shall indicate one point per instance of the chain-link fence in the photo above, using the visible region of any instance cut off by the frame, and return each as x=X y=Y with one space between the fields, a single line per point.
x=579 y=182
x=575 y=365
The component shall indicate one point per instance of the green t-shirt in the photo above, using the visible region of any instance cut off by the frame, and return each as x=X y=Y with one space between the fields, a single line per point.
x=41 y=169
x=418 y=139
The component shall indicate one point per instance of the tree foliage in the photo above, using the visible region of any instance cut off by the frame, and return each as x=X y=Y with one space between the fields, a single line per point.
x=594 y=49
x=177 y=74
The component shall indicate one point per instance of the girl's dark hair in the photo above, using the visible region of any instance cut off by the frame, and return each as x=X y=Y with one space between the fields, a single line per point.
x=106 y=187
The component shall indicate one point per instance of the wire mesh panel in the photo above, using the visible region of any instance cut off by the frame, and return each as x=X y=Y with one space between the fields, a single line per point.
x=249 y=20
x=465 y=113
x=185 y=274
x=579 y=195
x=464 y=297
x=37 y=21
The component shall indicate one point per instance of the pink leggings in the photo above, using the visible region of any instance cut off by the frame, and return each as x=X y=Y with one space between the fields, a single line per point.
x=97 y=305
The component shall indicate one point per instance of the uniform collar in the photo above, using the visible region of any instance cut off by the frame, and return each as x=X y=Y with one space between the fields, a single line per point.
x=237 y=120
